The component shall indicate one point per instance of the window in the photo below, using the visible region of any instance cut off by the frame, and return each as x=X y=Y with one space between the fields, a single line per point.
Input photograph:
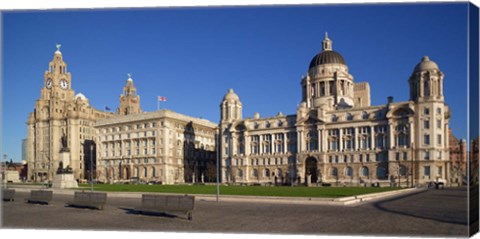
x=380 y=142
x=426 y=170
x=426 y=88
x=426 y=111
x=439 y=124
x=439 y=110
x=349 y=171
x=426 y=124
x=397 y=156
x=426 y=155
x=439 y=171
x=439 y=139
x=426 y=139
x=402 y=171
x=333 y=172
x=402 y=139
x=365 y=171
x=439 y=154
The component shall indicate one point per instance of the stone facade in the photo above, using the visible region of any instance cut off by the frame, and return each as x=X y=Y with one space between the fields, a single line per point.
x=337 y=137
x=161 y=146
x=59 y=111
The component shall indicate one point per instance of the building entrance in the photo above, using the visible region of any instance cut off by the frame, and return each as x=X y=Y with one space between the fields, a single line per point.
x=311 y=168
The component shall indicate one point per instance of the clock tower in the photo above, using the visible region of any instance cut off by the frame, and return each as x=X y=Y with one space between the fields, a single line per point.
x=57 y=80
x=129 y=100
x=59 y=113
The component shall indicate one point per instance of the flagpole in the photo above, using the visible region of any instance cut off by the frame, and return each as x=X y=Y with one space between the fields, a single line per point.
x=158 y=104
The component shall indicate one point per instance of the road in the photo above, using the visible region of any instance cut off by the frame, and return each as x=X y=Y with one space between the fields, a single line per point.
x=427 y=213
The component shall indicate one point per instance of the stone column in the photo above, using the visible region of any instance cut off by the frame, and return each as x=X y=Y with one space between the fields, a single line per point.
x=247 y=144
x=324 y=140
x=260 y=144
x=391 y=136
x=319 y=140
x=356 y=138
x=299 y=141
x=284 y=143
x=340 y=136
x=372 y=137
x=272 y=148
x=233 y=144
x=421 y=87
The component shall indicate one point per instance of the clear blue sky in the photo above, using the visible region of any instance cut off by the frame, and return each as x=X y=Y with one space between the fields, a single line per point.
x=194 y=55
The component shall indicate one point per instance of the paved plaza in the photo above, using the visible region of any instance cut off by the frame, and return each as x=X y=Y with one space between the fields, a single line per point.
x=421 y=213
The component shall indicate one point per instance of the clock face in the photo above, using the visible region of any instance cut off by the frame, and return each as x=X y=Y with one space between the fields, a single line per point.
x=63 y=84
x=49 y=83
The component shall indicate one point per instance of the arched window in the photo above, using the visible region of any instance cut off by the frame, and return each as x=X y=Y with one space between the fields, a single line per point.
x=267 y=172
x=153 y=172
x=364 y=171
x=334 y=172
x=426 y=88
x=145 y=172
x=255 y=173
x=348 y=171
x=402 y=139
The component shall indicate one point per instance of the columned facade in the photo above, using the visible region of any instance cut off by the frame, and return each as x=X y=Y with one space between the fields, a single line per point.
x=337 y=137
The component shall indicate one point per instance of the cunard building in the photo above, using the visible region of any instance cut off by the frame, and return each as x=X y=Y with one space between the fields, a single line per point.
x=336 y=136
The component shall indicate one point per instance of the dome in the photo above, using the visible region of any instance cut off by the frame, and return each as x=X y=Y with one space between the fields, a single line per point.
x=327 y=57
x=81 y=96
x=231 y=95
x=426 y=64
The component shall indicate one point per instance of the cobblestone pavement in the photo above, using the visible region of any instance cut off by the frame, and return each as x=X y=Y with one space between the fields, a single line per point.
x=425 y=213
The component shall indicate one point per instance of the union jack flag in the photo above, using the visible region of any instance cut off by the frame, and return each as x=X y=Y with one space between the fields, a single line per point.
x=162 y=98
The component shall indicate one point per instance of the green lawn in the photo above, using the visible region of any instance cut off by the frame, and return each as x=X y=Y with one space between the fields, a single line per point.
x=329 y=192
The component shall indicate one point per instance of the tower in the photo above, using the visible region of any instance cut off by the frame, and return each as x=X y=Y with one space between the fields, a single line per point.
x=59 y=112
x=49 y=120
x=129 y=100
x=230 y=113
x=431 y=120
x=231 y=107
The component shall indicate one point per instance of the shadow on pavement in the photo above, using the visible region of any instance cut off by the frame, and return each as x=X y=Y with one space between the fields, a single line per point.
x=427 y=212
x=135 y=212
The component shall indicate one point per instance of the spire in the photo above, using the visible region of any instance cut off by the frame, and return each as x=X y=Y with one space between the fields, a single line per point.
x=327 y=43
x=129 y=77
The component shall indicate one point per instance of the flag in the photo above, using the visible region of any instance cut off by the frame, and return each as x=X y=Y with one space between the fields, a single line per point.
x=107 y=108
x=162 y=98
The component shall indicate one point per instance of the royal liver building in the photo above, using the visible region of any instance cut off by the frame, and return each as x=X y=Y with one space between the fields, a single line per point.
x=337 y=137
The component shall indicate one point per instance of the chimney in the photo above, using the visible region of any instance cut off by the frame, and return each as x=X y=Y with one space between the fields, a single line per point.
x=390 y=99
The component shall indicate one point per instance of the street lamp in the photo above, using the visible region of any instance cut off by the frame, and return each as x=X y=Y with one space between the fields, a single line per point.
x=91 y=167
x=217 y=142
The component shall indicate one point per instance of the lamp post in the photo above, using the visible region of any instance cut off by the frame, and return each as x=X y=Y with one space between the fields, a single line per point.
x=91 y=167
x=217 y=142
